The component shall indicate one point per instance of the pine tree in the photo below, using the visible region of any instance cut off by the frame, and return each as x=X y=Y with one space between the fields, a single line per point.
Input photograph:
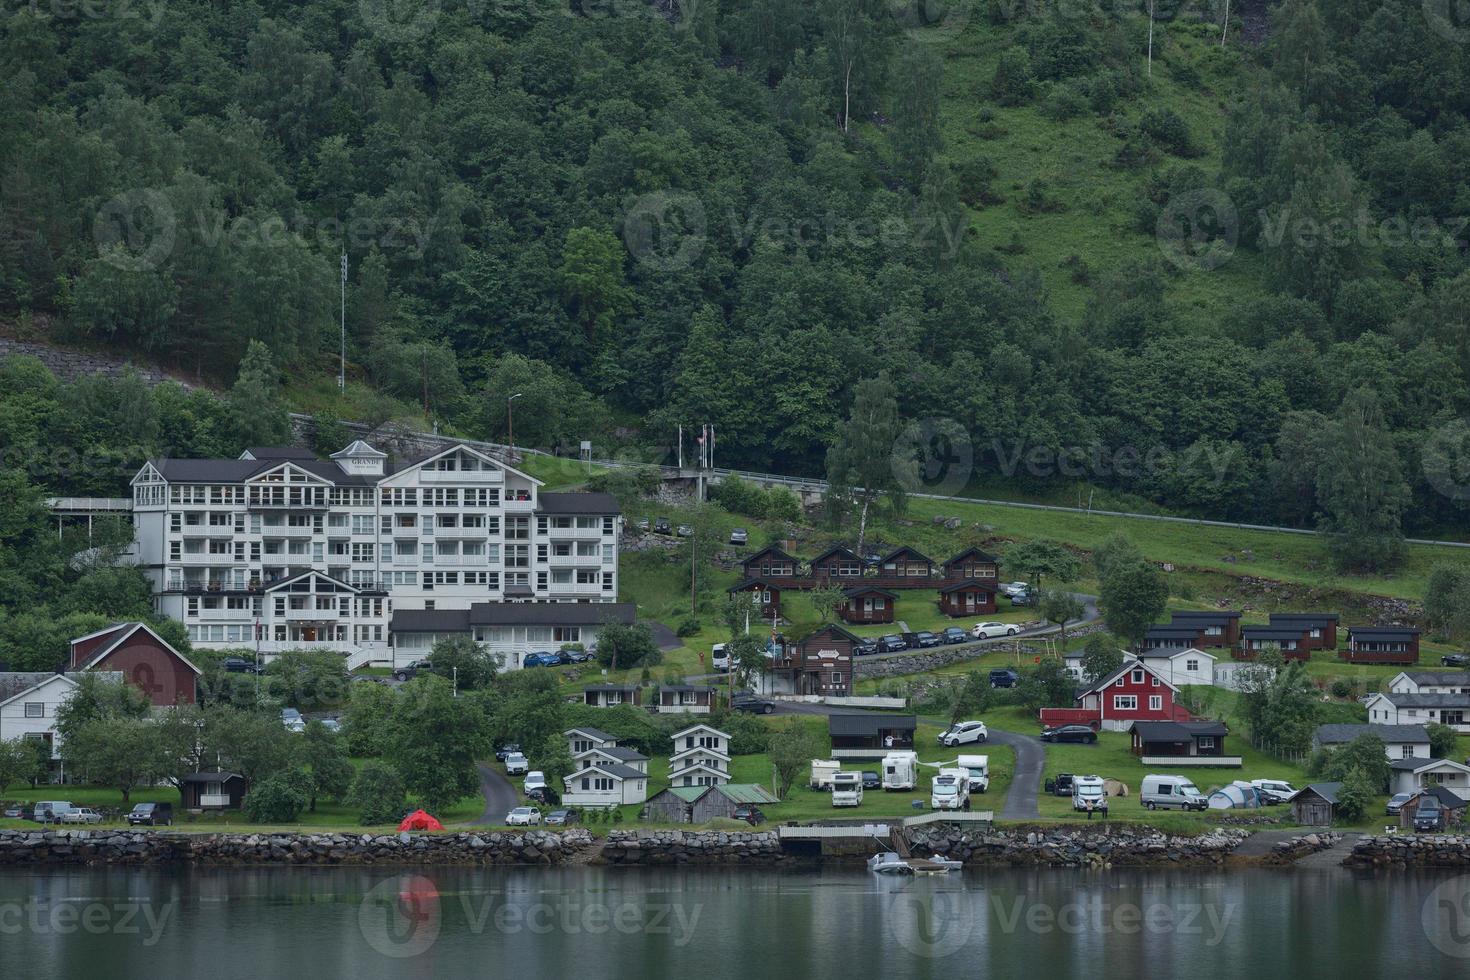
x=257 y=413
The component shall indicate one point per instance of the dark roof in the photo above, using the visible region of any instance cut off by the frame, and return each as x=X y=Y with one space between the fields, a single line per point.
x=616 y=769
x=1312 y=619
x=1171 y=633
x=774 y=552
x=14 y=682
x=1414 y=764
x=621 y=752
x=1446 y=797
x=279 y=453
x=1427 y=700
x=430 y=621
x=969 y=585
x=746 y=583
x=1177 y=731
x=869 y=724
x=609 y=687
x=838 y=550
x=211 y=777
x=1382 y=632
x=577 y=503
x=857 y=590
x=1336 y=734
x=1328 y=791
x=1272 y=632
x=905 y=550
x=1127 y=666
x=1436 y=677
x=685 y=687
x=1206 y=615
x=520 y=591
x=976 y=552
x=551 y=613
x=837 y=631
x=596 y=733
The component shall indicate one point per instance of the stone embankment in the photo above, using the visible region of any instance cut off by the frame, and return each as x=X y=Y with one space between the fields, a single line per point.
x=1119 y=845
x=1410 y=851
x=692 y=847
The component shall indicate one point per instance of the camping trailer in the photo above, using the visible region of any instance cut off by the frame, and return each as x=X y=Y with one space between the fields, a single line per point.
x=900 y=771
x=979 y=768
x=847 y=789
x=822 y=772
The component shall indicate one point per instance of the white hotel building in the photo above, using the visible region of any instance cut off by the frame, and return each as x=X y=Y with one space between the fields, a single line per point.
x=281 y=550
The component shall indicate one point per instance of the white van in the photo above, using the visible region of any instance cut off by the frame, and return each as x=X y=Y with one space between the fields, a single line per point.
x=1171 y=791
x=51 y=811
x=847 y=789
x=1274 y=790
x=822 y=772
x=950 y=790
x=900 y=771
x=979 y=767
x=719 y=657
x=1089 y=795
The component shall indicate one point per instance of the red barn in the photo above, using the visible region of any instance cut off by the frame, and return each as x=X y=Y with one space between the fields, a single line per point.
x=146 y=659
x=1133 y=692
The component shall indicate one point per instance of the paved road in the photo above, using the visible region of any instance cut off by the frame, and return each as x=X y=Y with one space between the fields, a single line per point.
x=1020 y=803
x=501 y=795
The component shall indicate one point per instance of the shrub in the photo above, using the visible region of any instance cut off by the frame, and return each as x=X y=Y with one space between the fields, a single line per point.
x=1013 y=82
x=783 y=504
x=279 y=798
x=1064 y=102
x=1167 y=129
x=378 y=793
x=1341 y=689
x=689 y=627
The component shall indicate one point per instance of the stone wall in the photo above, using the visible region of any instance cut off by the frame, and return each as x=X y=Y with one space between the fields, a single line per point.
x=136 y=847
x=69 y=365
x=1117 y=845
x=693 y=847
x=920 y=661
x=1289 y=851
x=1410 y=851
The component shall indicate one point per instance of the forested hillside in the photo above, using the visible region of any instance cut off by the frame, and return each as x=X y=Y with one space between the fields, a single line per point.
x=1231 y=274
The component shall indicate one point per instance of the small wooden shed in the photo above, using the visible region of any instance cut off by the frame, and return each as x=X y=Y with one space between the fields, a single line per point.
x=1316 y=805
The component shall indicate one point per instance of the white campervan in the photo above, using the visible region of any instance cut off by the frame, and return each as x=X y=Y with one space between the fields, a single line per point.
x=1171 y=791
x=950 y=790
x=979 y=768
x=847 y=789
x=719 y=658
x=1089 y=795
x=900 y=770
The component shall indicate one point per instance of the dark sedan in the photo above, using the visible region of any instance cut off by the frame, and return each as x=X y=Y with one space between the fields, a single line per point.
x=751 y=815
x=1070 y=733
x=752 y=703
x=892 y=643
x=924 y=638
x=1455 y=660
x=953 y=634
x=865 y=648
x=238 y=665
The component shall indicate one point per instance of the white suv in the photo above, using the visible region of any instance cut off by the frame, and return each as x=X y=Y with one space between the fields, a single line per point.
x=535 y=780
x=516 y=763
x=983 y=631
x=962 y=732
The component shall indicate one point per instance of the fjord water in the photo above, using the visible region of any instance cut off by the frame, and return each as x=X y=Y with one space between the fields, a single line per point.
x=593 y=922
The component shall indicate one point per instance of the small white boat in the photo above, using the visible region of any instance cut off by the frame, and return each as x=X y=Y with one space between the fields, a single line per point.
x=889 y=863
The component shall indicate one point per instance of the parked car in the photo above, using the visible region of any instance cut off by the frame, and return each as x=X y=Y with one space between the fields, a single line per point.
x=750 y=814
x=411 y=670
x=152 y=815
x=1429 y=815
x=238 y=665
x=892 y=643
x=643 y=524
x=739 y=536
x=984 y=631
x=871 y=780
x=508 y=749
x=541 y=658
x=1396 y=803
x=1455 y=660
x=1004 y=677
x=517 y=764
x=523 y=816
x=331 y=724
x=752 y=703
x=1011 y=588
x=1023 y=599
x=962 y=732
x=1060 y=786
x=15 y=812
x=49 y=811
x=924 y=638
x=290 y=714
x=865 y=647
x=81 y=814
x=535 y=779
x=663 y=526
x=684 y=530
x=1274 y=791
x=953 y=634
x=558 y=818
x=1070 y=733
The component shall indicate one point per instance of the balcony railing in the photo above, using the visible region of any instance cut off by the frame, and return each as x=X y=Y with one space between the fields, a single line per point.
x=461 y=476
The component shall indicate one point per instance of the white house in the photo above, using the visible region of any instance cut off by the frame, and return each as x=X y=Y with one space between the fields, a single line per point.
x=1430 y=682
x=1181 y=666
x=606 y=773
x=29 y=703
x=1412 y=775
x=701 y=757
x=1393 y=708
x=1399 y=741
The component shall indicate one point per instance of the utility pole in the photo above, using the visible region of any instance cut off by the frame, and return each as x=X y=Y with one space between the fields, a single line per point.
x=342 y=371
x=510 y=431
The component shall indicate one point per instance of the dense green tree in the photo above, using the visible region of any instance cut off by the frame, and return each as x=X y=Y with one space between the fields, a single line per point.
x=1100 y=657
x=464 y=663
x=435 y=740
x=1132 y=597
x=862 y=465
x=1362 y=491
x=323 y=758
x=377 y=792
x=257 y=414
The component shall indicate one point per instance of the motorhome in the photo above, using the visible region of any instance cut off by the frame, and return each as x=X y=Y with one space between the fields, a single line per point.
x=719 y=658
x=950 y=790
x=979 y=768
x=847 y=789
x=822 y=772
x=900 y=771
x=1089 y=795
x=1171 y=792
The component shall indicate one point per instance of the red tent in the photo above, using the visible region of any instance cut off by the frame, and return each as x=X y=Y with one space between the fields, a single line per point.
x=419 y=820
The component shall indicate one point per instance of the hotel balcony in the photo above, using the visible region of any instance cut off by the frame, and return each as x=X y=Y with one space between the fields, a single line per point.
x=448 y=477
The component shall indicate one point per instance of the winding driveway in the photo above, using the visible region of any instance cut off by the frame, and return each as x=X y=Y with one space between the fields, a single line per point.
x=501 y=795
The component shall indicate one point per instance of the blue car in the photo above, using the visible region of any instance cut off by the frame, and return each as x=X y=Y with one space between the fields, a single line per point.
x=542 y=659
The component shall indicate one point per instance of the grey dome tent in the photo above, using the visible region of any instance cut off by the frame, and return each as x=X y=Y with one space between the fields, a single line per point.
x=1238 y=795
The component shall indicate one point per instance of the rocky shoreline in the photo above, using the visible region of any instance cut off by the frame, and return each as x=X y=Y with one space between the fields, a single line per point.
x=1121 y=845
x=1386 y=852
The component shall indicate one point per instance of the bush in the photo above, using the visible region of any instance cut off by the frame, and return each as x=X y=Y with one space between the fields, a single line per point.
x=1341 y=689
x=378 y=793
x=279 y=798
x=1064 y=102
x=740 y=497
x=748 y=735
x=783 y=504
x=1355 y=797
x=689 y=627
x=1167 y=129
x=1013 y=82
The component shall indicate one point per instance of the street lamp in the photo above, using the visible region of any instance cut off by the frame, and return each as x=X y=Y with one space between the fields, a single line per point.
x=510 y=431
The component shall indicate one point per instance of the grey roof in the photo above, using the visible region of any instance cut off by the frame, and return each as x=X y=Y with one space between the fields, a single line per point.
x=623 y=753
x=211 y=777
x=912 y=553
x=1413 y=765
x=520 y=591
x=596 y=733
x=1382 y=632
x=1328 y=791
x=839 y=550
x=1446 y=797
x=1428 y=700
x=1437 y=676
x=280 y=452
x=685 y=687
x=430 y=621
x=616 y=769
x=577 y=503
x=1337 y=734
x=1272 y=632
x=857 y=590
x=775 y=552
x=1207 y=615
x=982 y=555
x=969 y=585
x=869 y=724
x=746 y=583
x=610 y=687
x=1171 y=633
x=510 y=614
x=1177 y=731
x=13 y=682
